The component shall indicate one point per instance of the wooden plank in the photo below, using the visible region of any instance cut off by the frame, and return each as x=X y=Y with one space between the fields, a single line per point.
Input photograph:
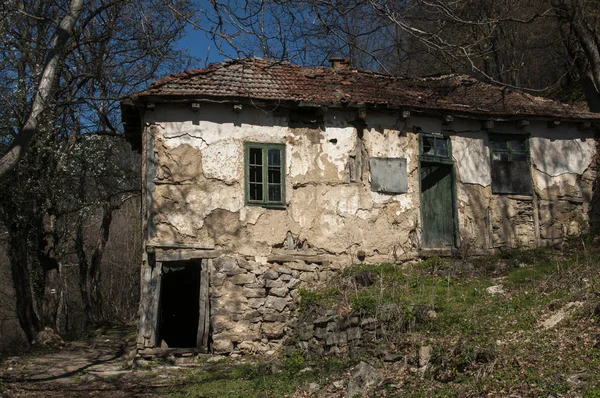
x=183 y=255
x=150 y=172
x=155 y=303
x=206 y=287
x=203 y=330
x=177 y=245
x=149 y=304
x=288 y=258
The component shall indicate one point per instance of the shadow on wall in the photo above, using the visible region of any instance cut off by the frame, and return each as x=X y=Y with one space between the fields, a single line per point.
x=594 y=209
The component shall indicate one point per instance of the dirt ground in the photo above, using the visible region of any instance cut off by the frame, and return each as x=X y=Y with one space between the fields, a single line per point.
x=100 y=366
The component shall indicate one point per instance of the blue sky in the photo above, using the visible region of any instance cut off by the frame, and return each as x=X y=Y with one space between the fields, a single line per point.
x=200 y=46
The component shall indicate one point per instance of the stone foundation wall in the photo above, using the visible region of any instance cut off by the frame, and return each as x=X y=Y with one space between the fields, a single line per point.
x=253 y=305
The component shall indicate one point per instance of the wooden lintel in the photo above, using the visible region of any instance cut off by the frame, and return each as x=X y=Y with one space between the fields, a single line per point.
x=522 y=123
x=362 y=111
x=585 y=125
x=554 y=123
x=184 y=255
x=176 y=245
x=289 y=258
x=488 y=125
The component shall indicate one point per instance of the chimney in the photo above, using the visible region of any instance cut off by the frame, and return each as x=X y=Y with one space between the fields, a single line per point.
x=339 y=63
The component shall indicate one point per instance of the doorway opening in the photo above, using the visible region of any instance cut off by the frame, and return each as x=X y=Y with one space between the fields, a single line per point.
x=179 y=303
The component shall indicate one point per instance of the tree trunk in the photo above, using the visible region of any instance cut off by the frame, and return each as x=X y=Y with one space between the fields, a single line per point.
x=17 y=250
x=43 y=94
x=50 y=266
x=89 y=270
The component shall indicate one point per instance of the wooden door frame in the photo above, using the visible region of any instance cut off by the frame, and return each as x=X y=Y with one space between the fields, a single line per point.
x=150 y=303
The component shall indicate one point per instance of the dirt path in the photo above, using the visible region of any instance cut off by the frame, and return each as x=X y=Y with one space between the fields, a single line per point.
x=98 y=367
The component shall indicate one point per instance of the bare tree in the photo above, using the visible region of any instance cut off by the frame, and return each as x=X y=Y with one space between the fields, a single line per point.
x=60 y=87
x=506 y=41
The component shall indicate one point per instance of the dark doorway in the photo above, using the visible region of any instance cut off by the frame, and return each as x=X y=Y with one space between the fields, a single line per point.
x=437 y=205
x=179 y=306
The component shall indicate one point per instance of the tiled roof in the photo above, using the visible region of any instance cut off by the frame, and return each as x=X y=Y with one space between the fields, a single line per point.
x=261 y=79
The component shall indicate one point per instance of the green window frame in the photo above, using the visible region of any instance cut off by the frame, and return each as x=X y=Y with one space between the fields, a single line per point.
x=264 y=174
x=510 y=162
x=435 y=148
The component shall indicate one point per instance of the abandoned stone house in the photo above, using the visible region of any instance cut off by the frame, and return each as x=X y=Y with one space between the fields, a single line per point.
x=261 y=176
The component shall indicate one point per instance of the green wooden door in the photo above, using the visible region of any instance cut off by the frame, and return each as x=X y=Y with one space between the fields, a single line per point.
x=437 y=206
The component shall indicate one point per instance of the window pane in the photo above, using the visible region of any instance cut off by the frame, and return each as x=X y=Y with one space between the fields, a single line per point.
x=274 y=175
x=518 y=156
x=275 y=193
x=499 y=145
x=517 y=145
x=274 y=157
x=503 y=156
x=256 y=174
x=256 y=156
x=441 y=147
x=428 y=146
x=256 y=191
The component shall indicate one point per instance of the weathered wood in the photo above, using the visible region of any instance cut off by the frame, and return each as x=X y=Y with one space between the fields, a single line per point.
x=204 y=315
x=176 y=245
x=149 y=353
x=183 y=255
x=288 y=258
x=149 y=185
x=148 y=293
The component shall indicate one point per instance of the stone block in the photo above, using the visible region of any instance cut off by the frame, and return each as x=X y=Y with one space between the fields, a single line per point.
x=354 y=333
x=273 y=330
x=324 y=320
x=217 y=278
x=247 y=265
x=338 y=339
x=307 y=277
x=284 y=270
x=221 y=346
x=265 y=311
x=320 y=333
x=243 y=279
x=285 y=277
x=274 y=317
x=279 y=291
x=301 y=266
x=225 y=264
x=293 y=283
x=276 y=303
x=305 y=332
x=257 y=284
x=254 y=293
x=271 y=274
x=252 y=316
x=269 y=283
x=256 y=303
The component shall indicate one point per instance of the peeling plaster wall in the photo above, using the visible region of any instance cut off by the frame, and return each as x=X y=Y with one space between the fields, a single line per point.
x=561 y=160
x=197 y=197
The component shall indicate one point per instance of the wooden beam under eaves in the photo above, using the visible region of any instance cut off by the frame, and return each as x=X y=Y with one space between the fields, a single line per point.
x=521 y=124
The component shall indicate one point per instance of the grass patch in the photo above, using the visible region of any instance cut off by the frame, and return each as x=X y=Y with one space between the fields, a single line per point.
x=258 y=378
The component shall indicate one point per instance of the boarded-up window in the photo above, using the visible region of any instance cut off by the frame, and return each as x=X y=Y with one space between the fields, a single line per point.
x=389 y=175
x=511 y=172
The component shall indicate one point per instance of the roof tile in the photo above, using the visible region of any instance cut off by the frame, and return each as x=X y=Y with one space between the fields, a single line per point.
x=275 y=80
